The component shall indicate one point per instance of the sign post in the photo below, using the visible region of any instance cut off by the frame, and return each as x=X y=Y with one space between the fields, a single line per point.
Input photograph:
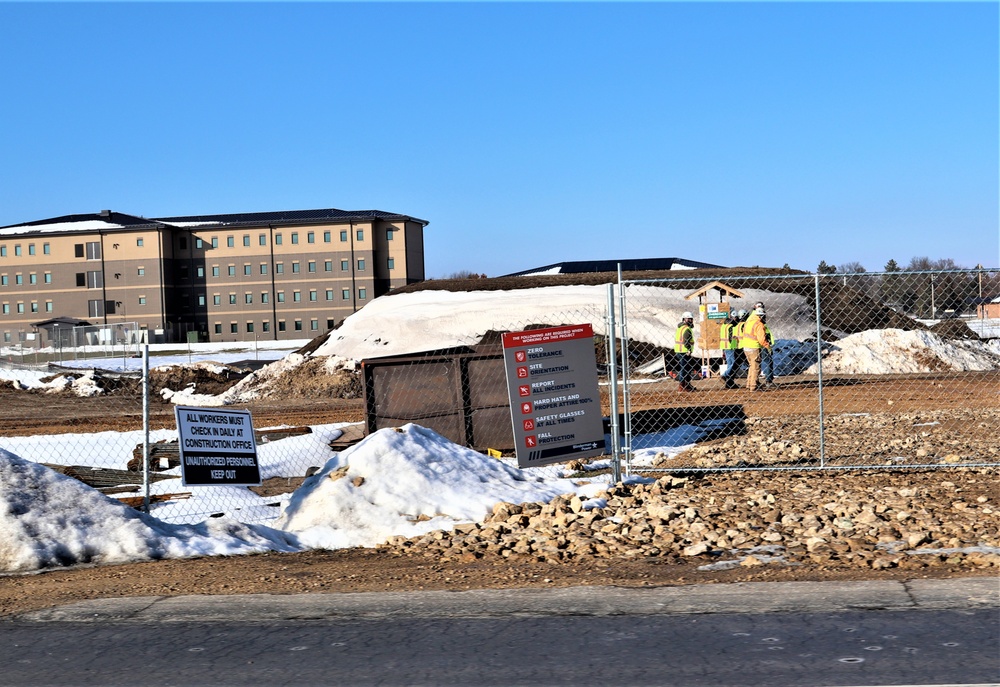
x=217 y=447
x=554 y=399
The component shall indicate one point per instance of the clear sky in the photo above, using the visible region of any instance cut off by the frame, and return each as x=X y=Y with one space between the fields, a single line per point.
x=525 y=133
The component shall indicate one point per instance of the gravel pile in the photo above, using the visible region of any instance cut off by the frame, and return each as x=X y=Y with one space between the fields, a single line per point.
x=874 y=520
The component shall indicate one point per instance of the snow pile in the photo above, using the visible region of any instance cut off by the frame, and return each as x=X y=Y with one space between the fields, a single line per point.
x=406 y=481
x=895 y=351
x=48 y=519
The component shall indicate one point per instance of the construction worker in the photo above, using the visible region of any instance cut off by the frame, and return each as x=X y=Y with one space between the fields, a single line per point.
x=767 y=356
x=741 y=358
x=728 y=344
x=753 y=340
x=683 y=350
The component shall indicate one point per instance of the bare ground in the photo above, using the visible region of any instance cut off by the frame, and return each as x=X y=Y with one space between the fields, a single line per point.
x=396 y=569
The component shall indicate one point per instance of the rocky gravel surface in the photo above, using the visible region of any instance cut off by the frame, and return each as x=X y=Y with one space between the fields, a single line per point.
x=865 y=520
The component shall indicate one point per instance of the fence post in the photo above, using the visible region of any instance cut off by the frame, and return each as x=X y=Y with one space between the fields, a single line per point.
x=626 y=388
x=145 y=426
x=616 y=455
x=819 y=371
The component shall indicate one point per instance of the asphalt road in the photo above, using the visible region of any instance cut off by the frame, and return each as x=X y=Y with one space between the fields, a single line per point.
x=884 y=633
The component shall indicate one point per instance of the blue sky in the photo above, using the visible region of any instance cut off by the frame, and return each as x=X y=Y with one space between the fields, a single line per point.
x=525 y=133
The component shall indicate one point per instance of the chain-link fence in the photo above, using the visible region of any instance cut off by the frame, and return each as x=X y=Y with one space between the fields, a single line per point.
x=864 y=371
x=854 y=370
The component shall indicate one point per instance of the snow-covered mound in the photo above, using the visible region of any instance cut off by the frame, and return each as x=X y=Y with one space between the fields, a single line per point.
x=892 y=351
x=406 y=481
x=48 y=519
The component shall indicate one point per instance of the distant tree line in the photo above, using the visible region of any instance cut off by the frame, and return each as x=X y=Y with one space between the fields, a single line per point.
x=941 y=293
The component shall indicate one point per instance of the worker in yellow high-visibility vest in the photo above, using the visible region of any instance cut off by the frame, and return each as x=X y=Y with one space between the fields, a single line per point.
x=753 y=340
x=683 y=351
x=728 y=344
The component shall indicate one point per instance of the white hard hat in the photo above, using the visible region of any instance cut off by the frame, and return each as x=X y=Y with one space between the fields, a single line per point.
x=760 y=310
x=687 y=316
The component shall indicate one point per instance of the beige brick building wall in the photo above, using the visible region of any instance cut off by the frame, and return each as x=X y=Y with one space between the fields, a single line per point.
x=266 y=276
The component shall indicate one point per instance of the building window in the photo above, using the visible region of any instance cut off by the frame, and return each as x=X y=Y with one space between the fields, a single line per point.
x=262 y=238
x=95 y=279
x=216 y=299
x=265 y=325
x=249 y=327
x=218 y=327
x=277 y=239
x=142 y=300
x=31 y=249
x=329 y=324
x=329 y=294
x=391 y=262
x=298 y=325
x=279 y=267
x=343 y=236
x=234 y=328
x=20 y=308
x=328 y=266
x=19 y=279
x=48 y=306
x=215 y=244
x=47 y=278
x=246 y=240
x=361 y=264
x=47 y=249
x=296 y=296
x=281 y=296
x=3 y=280
x=32 y=278
x=6 y=311
x=95 y=308
x=281 y=325
x=345 y=265
x=389 y=233
x=34 y=306
x=198 y=243
x=232 y=270
x=248 y=298
x=360 y=234
x=326 y=237
x=314 y=325
x=312 y=266
x=312 y=295
x=311 y=237
x=81 y=278
x=215 y=270
x=231 y=241
x=77 y=250
x=200 y=271
x=362 y=294
x=345 y=294
x=264 y=297
x=182 y=242
x=232 y=299
x=295 y=267
x=3 y=252
x=263 y=268
x=295 y=237
x=201 y=300
x=247 y=270
x=184 y=272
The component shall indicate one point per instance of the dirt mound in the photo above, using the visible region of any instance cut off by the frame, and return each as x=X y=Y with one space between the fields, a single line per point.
x=209 y=381
x=954 y=329
x=313 y=379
